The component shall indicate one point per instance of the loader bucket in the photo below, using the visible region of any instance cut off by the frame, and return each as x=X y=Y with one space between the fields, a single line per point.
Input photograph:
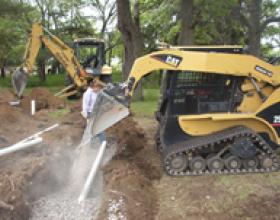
x=107 y=111
x=19 y=81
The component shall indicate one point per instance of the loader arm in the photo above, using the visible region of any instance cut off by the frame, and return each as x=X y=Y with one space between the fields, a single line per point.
x=256 y=70
x=62 y=52
x=219 y=63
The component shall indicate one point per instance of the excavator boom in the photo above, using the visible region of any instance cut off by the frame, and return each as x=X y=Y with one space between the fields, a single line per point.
x=65 y=56
x=19 y=77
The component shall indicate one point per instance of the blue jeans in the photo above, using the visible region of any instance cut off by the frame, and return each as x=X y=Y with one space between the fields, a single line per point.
x=101 y=137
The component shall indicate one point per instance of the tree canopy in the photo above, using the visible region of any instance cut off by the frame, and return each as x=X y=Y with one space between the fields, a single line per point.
x=131 y=28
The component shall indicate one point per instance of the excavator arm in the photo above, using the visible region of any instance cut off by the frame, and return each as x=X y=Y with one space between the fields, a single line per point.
x=62 y=52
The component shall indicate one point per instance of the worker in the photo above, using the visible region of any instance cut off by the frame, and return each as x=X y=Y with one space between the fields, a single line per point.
x=89 y=100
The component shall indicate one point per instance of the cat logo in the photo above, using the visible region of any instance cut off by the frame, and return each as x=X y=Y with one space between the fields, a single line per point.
x=171 y=60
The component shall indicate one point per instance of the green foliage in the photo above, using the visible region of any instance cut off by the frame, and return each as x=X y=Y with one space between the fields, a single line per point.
x=57 y=81
x=12 y=31
x=271 y=42
x=148 y=106
x=217 y=23
x=158 y=21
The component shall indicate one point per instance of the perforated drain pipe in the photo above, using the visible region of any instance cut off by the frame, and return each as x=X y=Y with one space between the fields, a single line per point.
x=92 y=173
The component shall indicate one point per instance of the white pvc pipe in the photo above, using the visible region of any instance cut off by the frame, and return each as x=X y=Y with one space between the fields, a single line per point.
x=20 y=146
x=33 y=107
x=39 y=133
x=93 y=172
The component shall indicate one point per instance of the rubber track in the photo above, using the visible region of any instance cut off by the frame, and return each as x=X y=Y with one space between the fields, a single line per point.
x=225 y=136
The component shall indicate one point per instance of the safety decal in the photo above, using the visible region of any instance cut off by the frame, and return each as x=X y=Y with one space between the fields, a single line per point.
x=263 y=71
x=276 y=121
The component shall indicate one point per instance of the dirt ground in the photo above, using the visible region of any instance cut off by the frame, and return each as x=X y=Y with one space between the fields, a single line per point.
x=254 y=196
x=22 y=174
x=136 y=186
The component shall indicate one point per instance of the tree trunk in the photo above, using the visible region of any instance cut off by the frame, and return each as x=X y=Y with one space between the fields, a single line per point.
x=131 y=36
x=42 y=72
x=3 y=74
x=254 y=32
x=186 y=36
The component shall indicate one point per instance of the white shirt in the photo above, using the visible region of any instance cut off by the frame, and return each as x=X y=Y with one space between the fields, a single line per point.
x=89 y=98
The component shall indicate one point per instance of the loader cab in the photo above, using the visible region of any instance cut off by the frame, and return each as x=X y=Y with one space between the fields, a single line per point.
x=90 y=53
x=191 y=93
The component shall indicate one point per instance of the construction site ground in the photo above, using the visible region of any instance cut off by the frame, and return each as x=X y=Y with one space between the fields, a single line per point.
x=135 y=185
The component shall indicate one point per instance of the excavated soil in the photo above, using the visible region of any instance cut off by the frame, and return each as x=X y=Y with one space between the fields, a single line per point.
x=6 y=96
x=28 y=175
x=129 y=193
x=44 y=99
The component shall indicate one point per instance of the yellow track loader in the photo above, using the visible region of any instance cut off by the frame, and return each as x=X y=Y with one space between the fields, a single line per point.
x=219 y=110
x=86 y=60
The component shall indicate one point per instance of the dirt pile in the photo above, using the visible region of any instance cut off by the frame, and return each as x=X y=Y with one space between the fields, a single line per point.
x=129 y=193
x=44 y=100
x=32 y=170
x=6 y=96
x=129 y=137
x=15 y=125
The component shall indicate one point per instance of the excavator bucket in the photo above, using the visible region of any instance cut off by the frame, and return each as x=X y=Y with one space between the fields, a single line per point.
x=109 y=109
x=19 y=81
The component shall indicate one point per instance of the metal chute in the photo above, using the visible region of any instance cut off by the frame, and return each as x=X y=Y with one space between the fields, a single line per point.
x=110 y=108
x=19 y=81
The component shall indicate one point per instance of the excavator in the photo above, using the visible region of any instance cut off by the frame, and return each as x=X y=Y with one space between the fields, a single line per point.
x=219 y=110
x=83 y=62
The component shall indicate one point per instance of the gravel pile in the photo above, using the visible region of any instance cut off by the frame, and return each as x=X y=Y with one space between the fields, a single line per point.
x=63 y=206
x=116 y=209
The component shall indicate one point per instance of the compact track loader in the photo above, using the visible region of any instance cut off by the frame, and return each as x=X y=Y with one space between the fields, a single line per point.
x=219 y=110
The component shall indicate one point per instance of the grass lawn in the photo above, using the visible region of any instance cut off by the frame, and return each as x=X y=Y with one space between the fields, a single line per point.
x=55 y=83
x=147 y=107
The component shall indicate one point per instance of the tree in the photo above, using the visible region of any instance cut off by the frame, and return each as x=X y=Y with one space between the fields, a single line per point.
x=187 y=25
x=106 y=12
x=257 y=15
x=12 y=32
x=129 y=26
x=63 y=18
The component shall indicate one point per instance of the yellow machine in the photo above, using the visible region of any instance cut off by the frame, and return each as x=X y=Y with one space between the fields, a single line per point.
x=84 y=62
x=219 y=110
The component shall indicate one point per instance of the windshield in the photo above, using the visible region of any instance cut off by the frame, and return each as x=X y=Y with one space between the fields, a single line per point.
x=88 y=55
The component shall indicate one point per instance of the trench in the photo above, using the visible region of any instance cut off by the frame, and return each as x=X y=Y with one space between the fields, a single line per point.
x=54 y=194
